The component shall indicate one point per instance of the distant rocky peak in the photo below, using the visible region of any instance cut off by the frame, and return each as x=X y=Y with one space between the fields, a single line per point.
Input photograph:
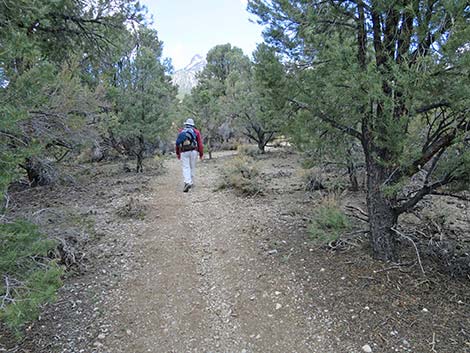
x=186 y=78
x=197 y=63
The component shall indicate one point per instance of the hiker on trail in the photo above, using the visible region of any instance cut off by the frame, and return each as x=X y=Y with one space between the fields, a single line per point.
x=188 y=146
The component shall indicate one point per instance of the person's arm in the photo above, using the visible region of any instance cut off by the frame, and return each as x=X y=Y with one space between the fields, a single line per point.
x=178 y=152
x=200 y=147
x=177 y=149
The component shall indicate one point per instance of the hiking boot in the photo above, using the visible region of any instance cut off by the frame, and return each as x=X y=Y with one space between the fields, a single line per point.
x=186 y=187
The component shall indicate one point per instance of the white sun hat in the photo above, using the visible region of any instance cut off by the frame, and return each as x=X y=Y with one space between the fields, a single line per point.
x=189 y=122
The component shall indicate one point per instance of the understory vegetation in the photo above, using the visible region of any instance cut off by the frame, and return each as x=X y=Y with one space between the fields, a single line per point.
x=30 y=275
x=242 y=175
x=328 y=223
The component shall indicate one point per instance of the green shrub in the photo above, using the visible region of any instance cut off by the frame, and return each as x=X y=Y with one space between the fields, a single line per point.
x=328 y=224
x=241 y=175
x=29 y=278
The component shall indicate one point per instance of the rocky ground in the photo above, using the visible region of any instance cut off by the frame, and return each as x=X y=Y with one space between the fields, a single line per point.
x=210 y=271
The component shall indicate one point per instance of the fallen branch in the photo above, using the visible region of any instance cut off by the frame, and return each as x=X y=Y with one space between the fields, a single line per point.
x=363 y=213
x=6 y=296
x=6 y=197
x=433 y=343
x=414 y=244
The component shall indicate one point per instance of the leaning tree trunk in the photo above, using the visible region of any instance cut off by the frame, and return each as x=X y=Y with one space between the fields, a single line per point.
x=353 y=176
x=139 y=167
x=209 y=146
x=140 y=155
x=382 y=216
x=40 y=172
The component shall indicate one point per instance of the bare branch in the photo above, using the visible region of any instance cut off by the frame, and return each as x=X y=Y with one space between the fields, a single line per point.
x=429 y=107
x=425 y=190
x=324 y=117
x=414 y=244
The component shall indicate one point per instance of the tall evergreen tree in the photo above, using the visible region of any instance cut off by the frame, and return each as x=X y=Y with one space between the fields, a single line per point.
x=394 y=75
x=144 y=95
x=210 y=100
x=43 y=48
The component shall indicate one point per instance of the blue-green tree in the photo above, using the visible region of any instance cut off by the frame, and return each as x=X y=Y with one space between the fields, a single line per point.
x=393 y=75
x=144 y=97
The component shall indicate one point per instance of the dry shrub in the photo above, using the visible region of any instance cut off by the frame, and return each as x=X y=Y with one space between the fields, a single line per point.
x=229 y=146
x=242 y=175
x=132 y=209
x=248 y=150
x=313 y=180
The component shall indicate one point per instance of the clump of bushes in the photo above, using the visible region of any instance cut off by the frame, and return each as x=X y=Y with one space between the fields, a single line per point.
x=29 y=278
x=248 y=150
x=132 y=209
x=242 y=175
x=319 y=179
x=328 y=223
x=313 y=180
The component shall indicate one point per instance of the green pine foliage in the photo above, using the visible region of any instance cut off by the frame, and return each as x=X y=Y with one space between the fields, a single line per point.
x=215 y=102
x=142 y=96
x=29 y=277
x=54 y=57
x=328 y=224
x=388 y=77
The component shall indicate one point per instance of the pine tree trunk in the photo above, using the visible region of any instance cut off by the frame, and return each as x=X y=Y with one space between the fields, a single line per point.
x=139 y=168
x=382 y=217
x=353 y=176
x=209 y=146
x=140 y=155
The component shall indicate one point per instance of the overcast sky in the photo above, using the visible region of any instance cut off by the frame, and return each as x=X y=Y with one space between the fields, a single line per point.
x=189 y=27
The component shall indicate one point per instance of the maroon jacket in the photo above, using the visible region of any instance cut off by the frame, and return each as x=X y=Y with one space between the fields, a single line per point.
x=200 y=147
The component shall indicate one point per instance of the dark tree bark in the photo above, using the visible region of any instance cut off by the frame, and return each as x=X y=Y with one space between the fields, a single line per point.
x=382 y=216
x=140 y=155
x=209 y=146
x=353 y=176
x=39 y=172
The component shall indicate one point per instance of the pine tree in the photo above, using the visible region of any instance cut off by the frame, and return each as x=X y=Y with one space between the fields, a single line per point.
x=393 y=75
x=144 y=95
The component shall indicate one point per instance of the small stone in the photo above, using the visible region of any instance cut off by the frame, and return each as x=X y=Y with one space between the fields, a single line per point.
x=101 y=336
x=366 y=348
x=272 y=252
x=425 y=310
x=128 y=331
x=278 y=306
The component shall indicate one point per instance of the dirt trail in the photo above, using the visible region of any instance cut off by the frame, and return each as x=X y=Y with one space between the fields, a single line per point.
x=201 y=283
